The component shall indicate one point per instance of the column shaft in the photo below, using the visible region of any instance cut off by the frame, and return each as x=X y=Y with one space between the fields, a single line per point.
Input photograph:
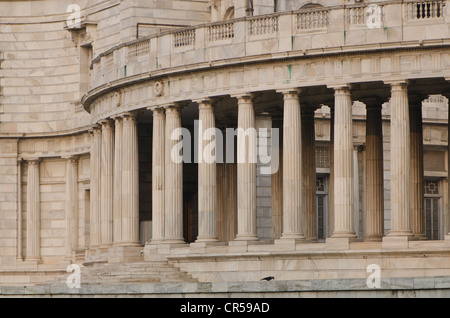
x=71 y=206
x=331 y=181
x=309 y=173
x=246 y=170
x=96 y=164
x=158 y=184
x=417 y=171
x=207 y=175
x=33 y=212
x=400 y=162
x=107 y=183
x=117 y=208
x=343 y=165
x=130 y=181
x=173 y=179
x=292 y=168
x=374 y=175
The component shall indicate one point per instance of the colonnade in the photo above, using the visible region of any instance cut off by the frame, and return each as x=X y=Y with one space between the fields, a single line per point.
x=114 y=205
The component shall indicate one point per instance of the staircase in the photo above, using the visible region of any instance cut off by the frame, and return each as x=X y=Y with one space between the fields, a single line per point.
x=130 y=273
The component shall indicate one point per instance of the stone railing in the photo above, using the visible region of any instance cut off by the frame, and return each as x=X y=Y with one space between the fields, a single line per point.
x=138 y=49
x=184 y=38
x=219 y=32
x=264 y=25
x=317 y=19
x=303 y=32
x=420 y=10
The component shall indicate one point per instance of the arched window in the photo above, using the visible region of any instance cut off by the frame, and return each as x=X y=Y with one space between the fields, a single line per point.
x=229 y=14
x=311 y=6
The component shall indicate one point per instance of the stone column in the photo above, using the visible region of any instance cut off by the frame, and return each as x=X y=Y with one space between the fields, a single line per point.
x=277 y=191
x=71 y=206
x=33 y=212
x=207 y=175
x=158 y=185
x=130 y=181
x=417 y=170
x=292 y=167
x=331 y=181
x=117 y=208
x=309 y=172
x=343 y=165
x=400 y=162
x=107 y=183
x=374 y=174
x=173 y=180
x=96 y=165
x=246 y=170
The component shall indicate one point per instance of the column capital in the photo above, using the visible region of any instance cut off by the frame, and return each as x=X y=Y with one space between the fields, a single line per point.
x=71 y=158
x=341 y=87
x=244 y=97
x=33 y=161
x=106 y=122
x=372 y=103
x=290 y=91
x=129 y=116
x=159 y=111
x=206 y=100
x=398 y=84
x=94 y=128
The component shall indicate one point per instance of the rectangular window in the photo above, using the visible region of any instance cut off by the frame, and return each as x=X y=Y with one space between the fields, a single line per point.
x=432 y=209
x=321 y=206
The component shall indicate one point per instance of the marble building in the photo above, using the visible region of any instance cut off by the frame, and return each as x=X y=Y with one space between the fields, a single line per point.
x=91 y=92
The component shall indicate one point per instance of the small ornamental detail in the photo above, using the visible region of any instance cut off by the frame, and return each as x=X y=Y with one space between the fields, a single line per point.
x=118 y=98
x=159 y=88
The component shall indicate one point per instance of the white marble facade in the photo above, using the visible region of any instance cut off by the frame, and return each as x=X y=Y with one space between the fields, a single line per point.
x=87 y=113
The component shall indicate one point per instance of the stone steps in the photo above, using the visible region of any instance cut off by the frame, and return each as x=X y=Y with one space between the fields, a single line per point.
x=142 y=272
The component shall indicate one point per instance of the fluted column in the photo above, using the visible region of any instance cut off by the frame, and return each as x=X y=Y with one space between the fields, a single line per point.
x=277 y=191
x=246 y=170
x=158 y=171
x=417 y=170
x=400 y=162
x=33 y=212
x=309 y=172
x=71 y=206
x=207 y=174
x=130 y=181
x=96 y=164
x=343 y=165
x=173 y=180
x=107 y=183
x=292 y=167
x=374 y=174
x=331 y=181
x=117 y=208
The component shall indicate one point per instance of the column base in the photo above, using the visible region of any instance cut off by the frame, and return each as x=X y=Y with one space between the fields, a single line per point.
x=349 y=235
x=31 y=263
x=286 y=244
x=237 y=246
x=293 y=236
x=159 y=252
x=202 y=247
x=395 y=241
x=374 y=238
x=339 y=243
x=244 y=238
x=207 y=240
x=125 y=244
x=420 y=237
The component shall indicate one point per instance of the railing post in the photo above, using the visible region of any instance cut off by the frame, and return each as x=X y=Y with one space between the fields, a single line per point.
x=286 y=32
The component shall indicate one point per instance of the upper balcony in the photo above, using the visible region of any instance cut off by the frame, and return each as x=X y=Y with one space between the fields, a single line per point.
x=308 y=32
